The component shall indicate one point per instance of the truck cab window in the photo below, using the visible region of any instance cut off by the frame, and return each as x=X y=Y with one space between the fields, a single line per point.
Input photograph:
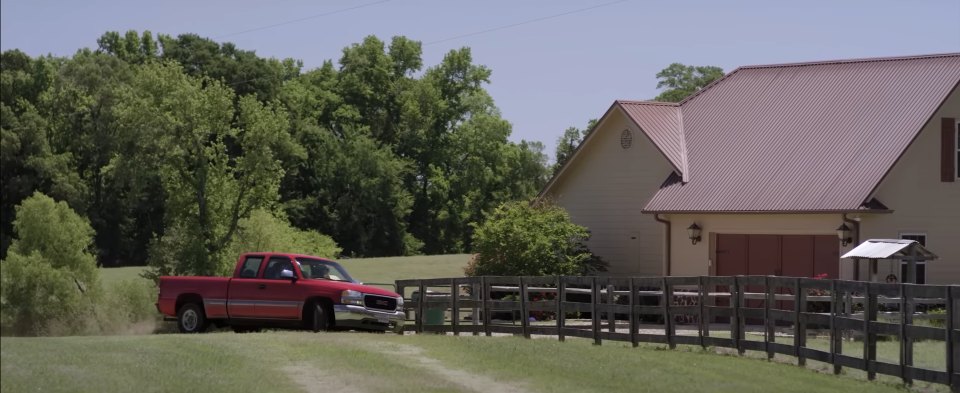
x=251 y=266
x=275 y=266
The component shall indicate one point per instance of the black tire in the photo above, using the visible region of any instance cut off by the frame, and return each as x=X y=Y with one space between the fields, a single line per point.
x=191 y=319
x=319 y=320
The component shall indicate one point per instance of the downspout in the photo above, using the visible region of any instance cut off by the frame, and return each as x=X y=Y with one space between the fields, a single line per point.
x=856 y=242
x=666 y=251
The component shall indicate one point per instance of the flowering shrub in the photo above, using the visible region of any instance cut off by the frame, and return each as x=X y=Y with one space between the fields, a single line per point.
x=819 y=306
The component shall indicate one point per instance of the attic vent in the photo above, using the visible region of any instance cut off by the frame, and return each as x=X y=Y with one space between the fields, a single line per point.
x=626 y=139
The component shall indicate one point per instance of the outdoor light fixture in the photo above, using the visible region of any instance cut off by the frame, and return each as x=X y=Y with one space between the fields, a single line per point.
x=693 y=232
x=843 y=233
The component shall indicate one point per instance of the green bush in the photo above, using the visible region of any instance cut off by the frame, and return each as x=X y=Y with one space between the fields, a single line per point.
x=49 y=282
x=36 y=297
x=531 y=240
x=262 y=231
x=126 y=307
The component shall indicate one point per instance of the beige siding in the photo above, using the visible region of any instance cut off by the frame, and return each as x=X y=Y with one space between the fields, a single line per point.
x=605 y=189
x=696 y=259
x=922 y=203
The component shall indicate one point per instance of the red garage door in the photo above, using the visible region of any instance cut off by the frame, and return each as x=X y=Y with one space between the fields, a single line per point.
x=778 y=255
x=775 y=255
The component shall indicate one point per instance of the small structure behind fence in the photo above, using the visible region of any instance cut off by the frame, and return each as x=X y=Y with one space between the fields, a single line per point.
x=615 y=308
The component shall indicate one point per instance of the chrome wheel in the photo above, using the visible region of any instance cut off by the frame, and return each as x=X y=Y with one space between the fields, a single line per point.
x=189 y=320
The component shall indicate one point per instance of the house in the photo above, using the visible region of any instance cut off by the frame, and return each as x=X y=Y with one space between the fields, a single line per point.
x=769 y=162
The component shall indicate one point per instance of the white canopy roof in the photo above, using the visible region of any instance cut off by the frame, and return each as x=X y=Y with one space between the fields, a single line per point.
x=889 y=249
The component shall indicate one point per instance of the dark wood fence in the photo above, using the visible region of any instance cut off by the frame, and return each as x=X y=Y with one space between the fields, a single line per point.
x=624 y=308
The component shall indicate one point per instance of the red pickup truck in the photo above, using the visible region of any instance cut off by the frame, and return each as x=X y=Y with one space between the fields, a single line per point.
x=279 y=290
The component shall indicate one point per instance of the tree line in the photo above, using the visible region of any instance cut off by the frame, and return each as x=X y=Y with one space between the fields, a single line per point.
x=167 y=144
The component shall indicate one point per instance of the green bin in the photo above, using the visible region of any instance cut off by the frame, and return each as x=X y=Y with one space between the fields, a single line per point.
x=432 y=315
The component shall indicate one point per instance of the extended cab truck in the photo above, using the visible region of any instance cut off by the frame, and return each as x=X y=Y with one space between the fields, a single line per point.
x=279 y=290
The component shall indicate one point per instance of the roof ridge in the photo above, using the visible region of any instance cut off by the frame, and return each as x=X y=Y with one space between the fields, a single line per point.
x=848 y=61
x=647 y=102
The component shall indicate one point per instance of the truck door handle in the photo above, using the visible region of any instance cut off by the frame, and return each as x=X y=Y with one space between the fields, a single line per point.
x=262 y=286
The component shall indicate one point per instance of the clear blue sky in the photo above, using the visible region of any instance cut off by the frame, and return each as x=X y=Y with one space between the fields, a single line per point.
x=548 y=74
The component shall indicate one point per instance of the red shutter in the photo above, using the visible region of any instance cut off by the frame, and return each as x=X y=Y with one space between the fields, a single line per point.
x=948 y=149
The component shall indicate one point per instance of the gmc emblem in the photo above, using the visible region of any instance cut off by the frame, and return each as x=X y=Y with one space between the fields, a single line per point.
x=382 y=303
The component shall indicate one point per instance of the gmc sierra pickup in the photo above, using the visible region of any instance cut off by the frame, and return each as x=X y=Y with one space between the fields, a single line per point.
x=279 y=290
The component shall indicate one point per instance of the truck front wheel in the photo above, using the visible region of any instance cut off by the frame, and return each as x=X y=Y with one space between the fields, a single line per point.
x=191 y=319
x=320 y=318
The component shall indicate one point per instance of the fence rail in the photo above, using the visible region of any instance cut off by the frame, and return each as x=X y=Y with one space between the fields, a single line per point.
x=488 y=305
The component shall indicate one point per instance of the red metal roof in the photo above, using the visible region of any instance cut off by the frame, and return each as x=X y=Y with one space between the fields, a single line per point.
x=662 y=123
x=795 y=137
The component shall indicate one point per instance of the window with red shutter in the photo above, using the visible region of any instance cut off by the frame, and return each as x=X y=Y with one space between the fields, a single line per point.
x=949 y=149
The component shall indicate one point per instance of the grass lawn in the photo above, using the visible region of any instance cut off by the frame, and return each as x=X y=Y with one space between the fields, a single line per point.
x=114 y=274
x=929 y=354
x=302 y=361
x=388 y=270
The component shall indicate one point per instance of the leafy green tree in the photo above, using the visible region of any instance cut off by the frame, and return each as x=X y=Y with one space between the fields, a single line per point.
x=208 y=189
x=351 y=188
x=30 y=164
x=682 y=80
x=569 y=142
x=242 y=70
x=264 y=231
x=49 y=271
x=132 y=47
x=120 y=203
x=525 y=239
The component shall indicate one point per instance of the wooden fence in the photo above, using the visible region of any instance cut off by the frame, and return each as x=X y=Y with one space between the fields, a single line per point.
x=614 y=308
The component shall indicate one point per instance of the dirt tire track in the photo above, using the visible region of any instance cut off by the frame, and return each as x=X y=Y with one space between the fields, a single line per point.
x=462 y=378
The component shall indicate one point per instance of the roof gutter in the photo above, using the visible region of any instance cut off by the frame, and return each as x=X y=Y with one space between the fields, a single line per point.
x=666 y=251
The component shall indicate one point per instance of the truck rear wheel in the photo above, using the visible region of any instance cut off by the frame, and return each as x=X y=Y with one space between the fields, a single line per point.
x=191 y=319
x=319 y=318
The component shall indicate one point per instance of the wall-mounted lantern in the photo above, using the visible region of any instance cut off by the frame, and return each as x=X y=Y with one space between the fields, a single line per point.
x=843 y=233
x=693 y=232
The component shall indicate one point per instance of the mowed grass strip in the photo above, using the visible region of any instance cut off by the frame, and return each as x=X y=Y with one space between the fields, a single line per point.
x=303 y=361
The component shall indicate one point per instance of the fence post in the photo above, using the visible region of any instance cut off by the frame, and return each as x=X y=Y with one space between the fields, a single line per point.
x=836 y=342
x=768 y=334
x=524 y=314
x=700 y=317
x=707 y=313
x=736 y=323
x=455 y=306
x=421 y=295
x=870 y=338
x=594 y=315
x=400 y=290
x=561 y=314
x=953 y=349
x=611 y=316
x=633 y=314
x=475 y=315
x=667 y=291
x=906 y=342
x=800 y=323
x=485 y=294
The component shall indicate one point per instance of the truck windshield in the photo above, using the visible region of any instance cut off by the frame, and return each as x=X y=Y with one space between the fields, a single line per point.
x=323 y=270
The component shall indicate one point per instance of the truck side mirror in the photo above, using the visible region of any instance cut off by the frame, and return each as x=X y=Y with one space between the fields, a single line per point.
x=288 y=274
